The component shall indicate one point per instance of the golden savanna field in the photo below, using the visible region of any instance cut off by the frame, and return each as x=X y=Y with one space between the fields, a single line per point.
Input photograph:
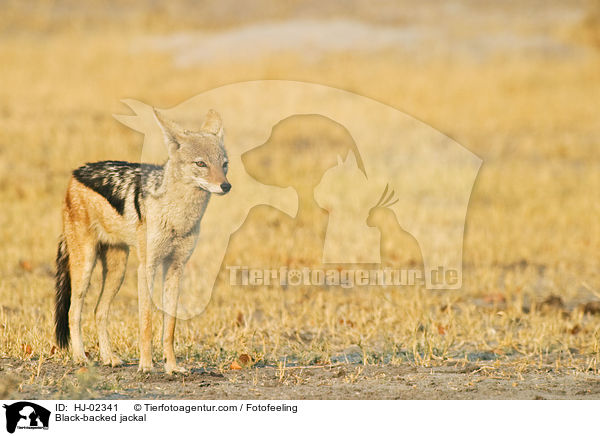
x=516 y=83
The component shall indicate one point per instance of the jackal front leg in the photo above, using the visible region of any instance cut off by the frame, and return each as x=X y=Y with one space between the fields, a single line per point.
x=173 y=274
x=145 y=286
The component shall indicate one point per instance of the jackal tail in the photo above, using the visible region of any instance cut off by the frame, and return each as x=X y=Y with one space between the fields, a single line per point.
x=63 y=295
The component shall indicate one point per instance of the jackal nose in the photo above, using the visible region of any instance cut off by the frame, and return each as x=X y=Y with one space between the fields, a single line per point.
x=225 y=186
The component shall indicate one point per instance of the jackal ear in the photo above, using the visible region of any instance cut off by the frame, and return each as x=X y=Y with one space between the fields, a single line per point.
x=169 y=130
x=213 y=124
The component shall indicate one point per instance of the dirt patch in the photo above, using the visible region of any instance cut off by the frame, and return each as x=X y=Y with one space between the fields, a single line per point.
x=456 y=381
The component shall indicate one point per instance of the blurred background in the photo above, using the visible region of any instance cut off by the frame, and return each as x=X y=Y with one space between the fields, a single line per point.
x=515 y=82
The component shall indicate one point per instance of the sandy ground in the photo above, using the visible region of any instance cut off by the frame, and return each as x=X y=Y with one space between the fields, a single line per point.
x=481 y=380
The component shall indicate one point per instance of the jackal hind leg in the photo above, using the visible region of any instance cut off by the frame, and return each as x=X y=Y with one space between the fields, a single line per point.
x=114 y=263
x=82 y=258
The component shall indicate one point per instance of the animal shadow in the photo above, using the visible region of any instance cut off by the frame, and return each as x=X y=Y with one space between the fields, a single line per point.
x=299 y=151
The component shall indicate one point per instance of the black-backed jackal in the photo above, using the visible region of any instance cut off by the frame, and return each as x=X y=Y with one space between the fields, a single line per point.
x=111 y=207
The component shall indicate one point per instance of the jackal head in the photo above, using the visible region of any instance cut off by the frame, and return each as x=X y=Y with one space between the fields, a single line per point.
x=197 y=157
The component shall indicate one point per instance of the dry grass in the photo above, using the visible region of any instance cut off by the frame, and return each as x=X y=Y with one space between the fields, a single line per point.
x=589 y=30
x=533 y=227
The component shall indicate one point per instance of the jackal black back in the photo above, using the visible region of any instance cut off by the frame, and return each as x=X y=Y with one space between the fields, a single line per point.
x=119 y=181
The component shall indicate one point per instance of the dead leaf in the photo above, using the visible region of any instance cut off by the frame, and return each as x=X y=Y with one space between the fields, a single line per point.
x=26 y=265
x=235 y=366
x=245 y=359
x=495 y=298
x=441 y=329
x=27 y=350
x=53 y=350
x=346 y=322
x=239 y=320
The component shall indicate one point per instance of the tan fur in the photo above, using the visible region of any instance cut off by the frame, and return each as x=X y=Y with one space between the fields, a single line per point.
x=165 y=236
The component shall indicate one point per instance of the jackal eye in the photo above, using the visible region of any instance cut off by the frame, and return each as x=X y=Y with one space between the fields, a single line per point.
x=201 y=164
x=225 y=165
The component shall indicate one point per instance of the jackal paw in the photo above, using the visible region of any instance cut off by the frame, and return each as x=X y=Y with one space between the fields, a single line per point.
x=171 y=369
x=146 y=367
x=80 y=359
x=113 y=361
